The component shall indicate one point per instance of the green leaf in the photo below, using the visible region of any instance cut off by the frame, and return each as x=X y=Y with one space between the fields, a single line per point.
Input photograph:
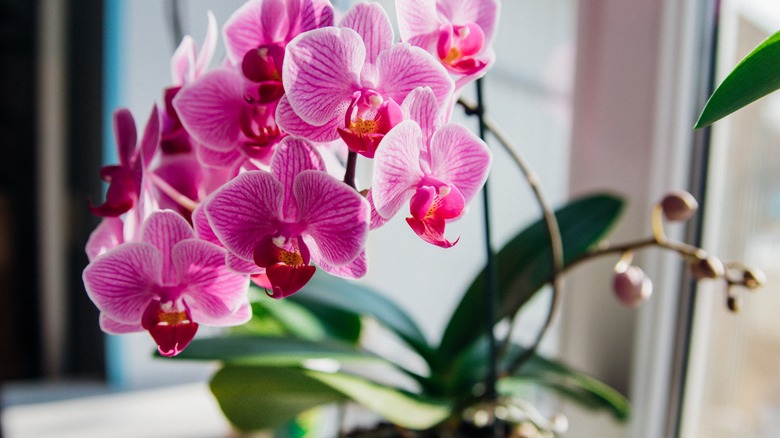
x=754 y=77
x=267 y=397
x=352 y=297
x=312 y=322
x=255 y=398
x=574 y=385
x=273 y=350
x=397 y=406
x=524 y=266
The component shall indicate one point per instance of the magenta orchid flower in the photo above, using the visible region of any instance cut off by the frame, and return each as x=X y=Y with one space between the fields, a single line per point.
x=231 y=111
x=125 y=178
x=438 y=169
x=295 y=214
x=167 y=284
x=256 y=36
x=348 y=82
x=458 y=32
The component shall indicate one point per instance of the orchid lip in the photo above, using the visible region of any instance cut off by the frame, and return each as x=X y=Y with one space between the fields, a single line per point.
x=170 y=324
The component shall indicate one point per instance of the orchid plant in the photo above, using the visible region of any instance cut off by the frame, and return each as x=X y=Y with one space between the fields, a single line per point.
x=243 y=187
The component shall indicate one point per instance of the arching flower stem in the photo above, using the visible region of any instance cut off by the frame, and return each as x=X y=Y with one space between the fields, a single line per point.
x=550 y=221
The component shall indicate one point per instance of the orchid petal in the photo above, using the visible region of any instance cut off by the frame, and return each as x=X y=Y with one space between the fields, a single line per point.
x=311 y=14
x=418 y=22
x=483 y=13
x=151 y=138
x=274 y=22
x=213 y=291
x=245 y=210
x=163 y=230
x=242 y=32
x=182 y=62
x=460 y=158
x=108 y=235
x=291 y=123
x=120 y=282
x=241 y=315
x=371 y=22
x=242 y=266
x=403 y=68
x=421 y=106
x=376 y=220
x=126 y=136
x=355 y=269
x=210 y=108
x=320 y=72
x=294 y=155
x=201 y=226
x=336 y=217
x=208 y=47
x=396 y=168
x=218 y=158
x=113 y=327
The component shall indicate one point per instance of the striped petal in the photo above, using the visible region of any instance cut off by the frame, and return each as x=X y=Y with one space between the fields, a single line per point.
x=121 y=282
x=460 y=158
x=163 y=230
x=334 y=215
x=371 y=22
x=213 y=292
x=397 y=168
x=320 y=73
x=244 y=211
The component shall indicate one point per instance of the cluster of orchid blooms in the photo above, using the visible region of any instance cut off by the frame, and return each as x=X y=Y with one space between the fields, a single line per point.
x=247 y=171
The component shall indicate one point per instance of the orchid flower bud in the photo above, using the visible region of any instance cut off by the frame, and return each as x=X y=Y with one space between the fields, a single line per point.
x=679 y=206
x=632 y=286
x=753 y=278
x=708 y=267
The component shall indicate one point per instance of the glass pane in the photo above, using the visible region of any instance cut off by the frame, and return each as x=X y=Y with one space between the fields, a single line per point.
x=733 y=386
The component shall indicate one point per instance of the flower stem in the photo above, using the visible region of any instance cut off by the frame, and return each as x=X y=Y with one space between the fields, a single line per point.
x=491 y=292
x=349 y=173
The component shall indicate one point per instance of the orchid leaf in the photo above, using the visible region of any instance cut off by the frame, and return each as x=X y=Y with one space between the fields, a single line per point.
x=329 y=292
x=573 y=385
x=524 y=266
x=254 y=398
x=273 y=350
x=754 y=77
x=312 y=322
x=397 y=406
x=266 y=397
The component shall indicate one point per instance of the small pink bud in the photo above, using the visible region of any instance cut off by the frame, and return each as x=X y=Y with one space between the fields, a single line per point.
x=679 y=206
x=632 y=286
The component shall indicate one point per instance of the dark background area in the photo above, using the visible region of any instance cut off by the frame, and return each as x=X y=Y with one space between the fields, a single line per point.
x=21 y=354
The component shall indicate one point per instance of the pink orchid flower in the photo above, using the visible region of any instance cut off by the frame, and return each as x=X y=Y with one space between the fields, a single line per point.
x=458 y=32
x=125 y=178
x=437 y=168
x=283 y=219
x=348 y=82
x=167 y=284
x=256 y=36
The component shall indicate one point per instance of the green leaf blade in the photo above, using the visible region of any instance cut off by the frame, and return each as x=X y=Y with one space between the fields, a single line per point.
x=524 y=266
x=754 y=77
x=571 y=384
x=257 y=398
x=330 y=292
x=273 y=350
